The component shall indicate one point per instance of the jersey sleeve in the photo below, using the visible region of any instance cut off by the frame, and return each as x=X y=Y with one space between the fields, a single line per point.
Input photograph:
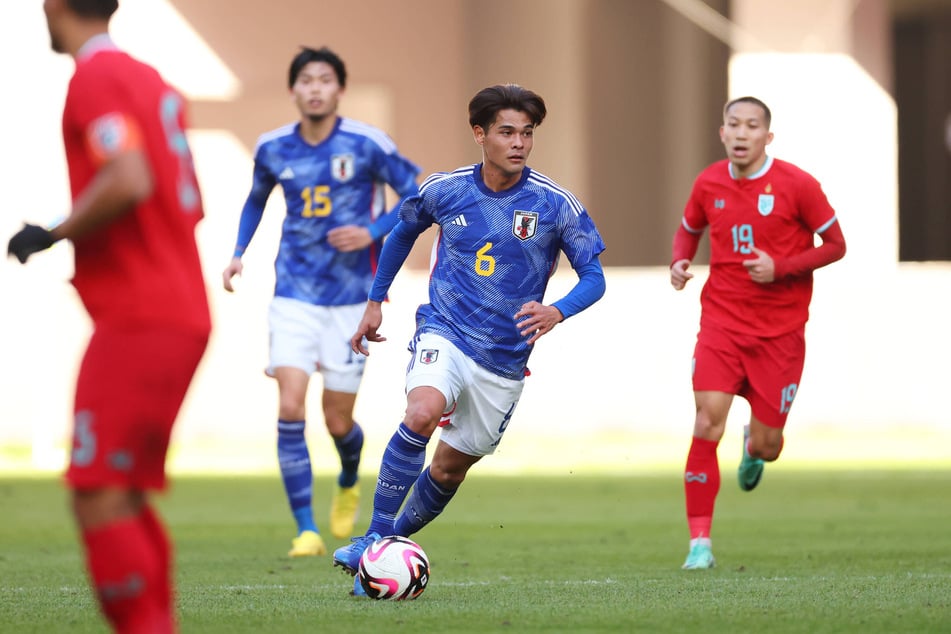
x=692 y=225
x=580 y=239
x=695 y=217
x=819 y=216
x=588 y=290
x=814 y=207
x=263 y=181
x=107 y=125
x=395 y=251
x=421 y=208
x=831 y=250
x=400 y=174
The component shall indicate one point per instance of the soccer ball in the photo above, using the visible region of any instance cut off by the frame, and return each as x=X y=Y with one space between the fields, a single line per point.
x=394 y=568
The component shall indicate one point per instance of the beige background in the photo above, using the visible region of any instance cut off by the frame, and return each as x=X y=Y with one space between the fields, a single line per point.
x=634 y=89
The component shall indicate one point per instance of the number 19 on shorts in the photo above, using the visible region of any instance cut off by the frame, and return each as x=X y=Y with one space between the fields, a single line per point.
x=789 y=394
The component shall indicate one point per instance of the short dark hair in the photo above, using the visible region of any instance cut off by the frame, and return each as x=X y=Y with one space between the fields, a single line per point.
x=767 y=115
x=101 y=9
x=485 y=106
x=322 y=54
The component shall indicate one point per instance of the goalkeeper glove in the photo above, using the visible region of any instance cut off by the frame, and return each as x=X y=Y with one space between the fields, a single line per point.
x=29 y=240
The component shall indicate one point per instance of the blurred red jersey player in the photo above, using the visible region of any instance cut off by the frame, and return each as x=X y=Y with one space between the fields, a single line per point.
x=763 y=215
x=135 y=205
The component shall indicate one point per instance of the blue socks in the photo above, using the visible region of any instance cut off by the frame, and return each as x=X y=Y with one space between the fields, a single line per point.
x=349 y=448
x=403 y=461
x=425 y=502
x=294 y=460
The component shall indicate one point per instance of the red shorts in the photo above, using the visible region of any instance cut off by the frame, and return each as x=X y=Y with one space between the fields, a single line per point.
x=130 y=387
x=763 y=370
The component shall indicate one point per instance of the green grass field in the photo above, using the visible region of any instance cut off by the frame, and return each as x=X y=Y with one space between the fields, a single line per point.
x=809 y=551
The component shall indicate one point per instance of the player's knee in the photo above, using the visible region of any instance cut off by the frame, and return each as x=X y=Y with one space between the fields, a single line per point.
x=446 y=476
x=767 y=450
x=104 y=505
x=338 y=425
x=706 y=427
x=422 y=417
x=291 y=408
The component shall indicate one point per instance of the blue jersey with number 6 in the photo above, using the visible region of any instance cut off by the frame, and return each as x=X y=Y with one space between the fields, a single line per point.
x=495 y=251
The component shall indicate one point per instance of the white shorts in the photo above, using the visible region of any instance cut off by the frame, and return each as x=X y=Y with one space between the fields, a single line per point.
x=479 y=404
x=316 y=339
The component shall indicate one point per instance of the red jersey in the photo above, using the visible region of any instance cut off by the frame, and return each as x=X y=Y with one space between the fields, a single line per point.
x=143 y=268
x=778 y=210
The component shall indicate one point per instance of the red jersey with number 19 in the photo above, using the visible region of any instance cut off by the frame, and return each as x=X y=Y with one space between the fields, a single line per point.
x=777 y=210
x=143 y=268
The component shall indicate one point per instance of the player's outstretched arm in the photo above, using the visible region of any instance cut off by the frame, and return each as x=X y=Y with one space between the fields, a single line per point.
x=367 y=330
x=122 y=182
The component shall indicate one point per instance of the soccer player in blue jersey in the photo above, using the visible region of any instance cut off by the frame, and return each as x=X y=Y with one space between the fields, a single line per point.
x=502 y=227
x=333 y=172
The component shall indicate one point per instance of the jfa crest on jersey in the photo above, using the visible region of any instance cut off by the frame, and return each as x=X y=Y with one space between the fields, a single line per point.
x=525 y=224
x=342 y=167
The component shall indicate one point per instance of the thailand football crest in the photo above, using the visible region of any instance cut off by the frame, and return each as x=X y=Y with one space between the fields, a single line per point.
x=342 y=167
x=525 y=224
x=765 y=204
x=428 y=356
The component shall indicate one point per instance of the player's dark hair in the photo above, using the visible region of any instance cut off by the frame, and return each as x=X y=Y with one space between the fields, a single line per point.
x=100 y=9
x=487 y=103
x=767 y=115
x=322 y=54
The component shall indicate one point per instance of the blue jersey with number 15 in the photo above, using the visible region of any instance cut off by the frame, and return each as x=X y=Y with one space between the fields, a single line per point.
x=337 y=182
x=495 y=252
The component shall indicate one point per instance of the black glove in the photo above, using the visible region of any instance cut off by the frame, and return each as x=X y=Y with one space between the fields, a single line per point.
x=29 y=240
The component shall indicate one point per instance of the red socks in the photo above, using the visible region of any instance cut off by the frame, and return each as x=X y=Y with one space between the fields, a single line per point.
x=701 y=485
x=163 y=548
x=129 y=567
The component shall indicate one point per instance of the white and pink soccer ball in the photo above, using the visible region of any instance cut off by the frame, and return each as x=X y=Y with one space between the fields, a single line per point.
x=394 y=568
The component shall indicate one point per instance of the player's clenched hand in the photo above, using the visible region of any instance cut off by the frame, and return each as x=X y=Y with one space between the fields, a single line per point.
x=536 y=319
x=349 y=238
x=367 y=330
x=234 y=268
x=679 y=275
x=762 y=269
x=29 y=240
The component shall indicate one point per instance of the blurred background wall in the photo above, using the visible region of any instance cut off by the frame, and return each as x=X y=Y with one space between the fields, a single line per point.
x=861 y=98
x=636 y=87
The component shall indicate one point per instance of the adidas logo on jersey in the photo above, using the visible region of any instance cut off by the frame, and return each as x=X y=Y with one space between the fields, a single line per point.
x=288 y=173
x=460 y=220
